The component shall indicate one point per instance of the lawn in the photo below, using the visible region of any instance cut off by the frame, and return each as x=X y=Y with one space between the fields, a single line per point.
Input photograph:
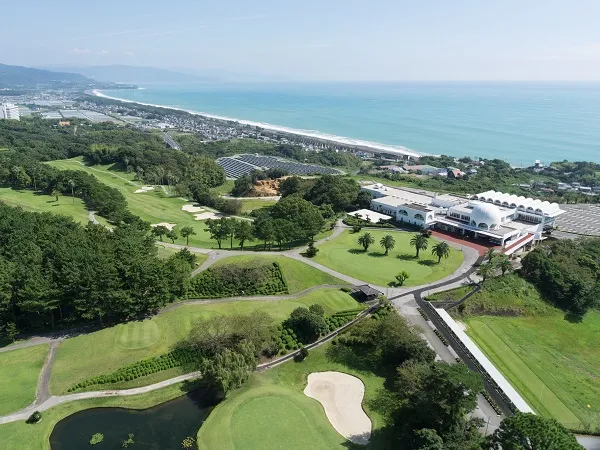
x=250 y=204
x=20 y=435
x=344 y=255
x=299 y=276
x=19 y=373
x=164 y=252
x=36 y=202
x=272 y=408
x=107 y=350
x=552 y=362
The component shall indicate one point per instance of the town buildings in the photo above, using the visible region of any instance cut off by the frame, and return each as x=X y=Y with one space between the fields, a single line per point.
x=9 y=111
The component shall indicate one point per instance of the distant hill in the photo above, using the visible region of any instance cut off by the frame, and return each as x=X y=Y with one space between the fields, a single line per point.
x=137 y=74
x=18 y=77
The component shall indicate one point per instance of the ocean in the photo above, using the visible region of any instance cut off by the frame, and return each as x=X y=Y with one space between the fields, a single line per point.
x=517 y=122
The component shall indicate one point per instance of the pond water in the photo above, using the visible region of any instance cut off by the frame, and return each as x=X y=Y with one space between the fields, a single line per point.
x=164 y=426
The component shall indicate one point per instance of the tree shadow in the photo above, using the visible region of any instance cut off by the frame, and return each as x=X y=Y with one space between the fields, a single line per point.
x=573 y=317
x=356 y=251
x=377 y=254
x=406 y=257
x=427 y=262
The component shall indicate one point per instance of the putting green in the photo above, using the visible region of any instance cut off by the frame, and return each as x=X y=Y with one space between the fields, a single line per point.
x=346 y=256
x=136 y=335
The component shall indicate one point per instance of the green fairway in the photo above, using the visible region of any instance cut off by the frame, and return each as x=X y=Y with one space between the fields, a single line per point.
x=36 y=202
x=552 y=362
x=299 y=276
x=250 y=204
x=19 y=373
x=345 y=255
x=271 y=410
x=107 y=350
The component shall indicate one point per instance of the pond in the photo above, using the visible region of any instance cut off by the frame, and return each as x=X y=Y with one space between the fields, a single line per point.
x=164 y=426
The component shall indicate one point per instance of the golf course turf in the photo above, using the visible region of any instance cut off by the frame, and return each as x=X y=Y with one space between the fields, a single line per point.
x=19 y=373
x=345 y=255
x=109 y=349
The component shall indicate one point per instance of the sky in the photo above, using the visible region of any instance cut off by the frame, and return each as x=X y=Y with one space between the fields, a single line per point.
x=366 y=40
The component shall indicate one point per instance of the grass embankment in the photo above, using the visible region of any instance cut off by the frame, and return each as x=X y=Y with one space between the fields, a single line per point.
x=20 y=435
x=272 y=408
x=250 y=204
x=552 y=362
x=345 y=255
x=107 y=350
x=452 y=295
x=36 y=202
x=19 y=373
x=166 y=252
x=298 y=276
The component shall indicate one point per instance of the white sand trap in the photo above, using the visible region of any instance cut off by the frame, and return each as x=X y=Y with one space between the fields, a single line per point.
x=190 y=207
x=341 y=396
x=144 y=189
x=170 y=226
x=207 y=215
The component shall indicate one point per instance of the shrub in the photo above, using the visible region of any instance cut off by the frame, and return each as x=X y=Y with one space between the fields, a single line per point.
x=311 y=250
x=301 y=355
x=35 y=417
x=96 y=438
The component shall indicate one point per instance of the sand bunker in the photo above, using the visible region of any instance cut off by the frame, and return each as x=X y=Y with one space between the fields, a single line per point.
x=170 y=226
x=192 y=208
x=207 y=215
x=341 y=396
x=144 y=189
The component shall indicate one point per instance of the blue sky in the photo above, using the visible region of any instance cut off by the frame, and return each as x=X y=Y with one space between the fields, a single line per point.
x=315 y=39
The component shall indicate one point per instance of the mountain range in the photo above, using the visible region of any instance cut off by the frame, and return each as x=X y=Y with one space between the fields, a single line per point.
x=12 y=77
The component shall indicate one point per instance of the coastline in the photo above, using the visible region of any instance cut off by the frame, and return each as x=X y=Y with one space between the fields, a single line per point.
x=358 y=143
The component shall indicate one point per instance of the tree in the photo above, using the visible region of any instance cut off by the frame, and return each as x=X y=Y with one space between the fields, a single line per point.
x=366 y=240
x=402 y=277
x=387 y=242
x=55 y=193
x=427 y=439
x=306 y=323
x=283 y=230
x=219 y=229
x=504 y=264
x=532 y=432
x=243 y=232
x=419 y=242
x=485 y=271
x=490 y=254
x=160 y=231
x=317 y=309
x=441 y=250
x=72 y=186
x=186 y=232
x=263 y=229
x=311 y=250
x=172 y=234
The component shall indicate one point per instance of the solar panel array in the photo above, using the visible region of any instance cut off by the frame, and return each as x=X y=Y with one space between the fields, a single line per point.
x=239 y=165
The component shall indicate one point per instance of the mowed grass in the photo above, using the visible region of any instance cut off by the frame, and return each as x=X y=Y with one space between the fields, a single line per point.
x=19 y=373
x=345 y=255
x=107 y=350
x=271 y=410
x=36 y=202
x=299 y=276
x=552 y=362
x=154 y=206
x=250 y=204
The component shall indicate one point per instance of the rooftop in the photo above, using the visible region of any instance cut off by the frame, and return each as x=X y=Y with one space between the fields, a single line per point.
x=527 y=204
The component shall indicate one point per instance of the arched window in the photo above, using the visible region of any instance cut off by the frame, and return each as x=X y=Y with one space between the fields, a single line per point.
x=473 y=223
x=490 y=200
x=504 y=203
x=403 y=212
x=513 y=205
x=419 y=217
x=497 y=202
x=483 y=226
x=494 y=226
x=538 y=210
x=483 y=199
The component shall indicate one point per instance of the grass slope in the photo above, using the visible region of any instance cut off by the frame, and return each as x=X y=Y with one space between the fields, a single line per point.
x=344 y=255
x=19 y=373
x=35 y=202
x=271 y=410
x=299 y=276
x=250 y=204
x=107 y=350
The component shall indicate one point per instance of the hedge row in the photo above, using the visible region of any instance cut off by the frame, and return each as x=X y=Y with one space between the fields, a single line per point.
x=491 y=401
x=423 y=315
x=382 y=312
x=441 y=336
x=286 y=340
x=354 y=221
x=175 y=358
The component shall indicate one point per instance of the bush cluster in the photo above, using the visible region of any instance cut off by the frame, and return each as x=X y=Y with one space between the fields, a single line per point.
x=382 y=311
x=341 y=318
x=238 y=279
x=423 y=315
x=356 y=222
x=175 y=358
x=441 y=336
x=286 y=340
x=491 y=401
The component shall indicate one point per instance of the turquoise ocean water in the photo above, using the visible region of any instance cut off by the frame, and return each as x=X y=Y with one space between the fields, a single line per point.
x=517 y=122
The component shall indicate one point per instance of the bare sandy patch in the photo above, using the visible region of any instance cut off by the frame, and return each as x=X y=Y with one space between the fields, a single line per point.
x=144 y=189
x=168 y=225
x=190 y=207
x=341 y=396
x=207 y=215
x=461 y=325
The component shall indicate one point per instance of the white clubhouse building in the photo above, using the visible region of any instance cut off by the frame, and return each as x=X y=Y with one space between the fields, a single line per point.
x=504 y=219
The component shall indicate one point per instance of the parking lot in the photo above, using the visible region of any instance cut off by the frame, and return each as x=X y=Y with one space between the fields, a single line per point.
x=580 y=219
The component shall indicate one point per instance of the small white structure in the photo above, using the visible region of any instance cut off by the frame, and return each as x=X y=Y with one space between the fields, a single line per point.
x=9 y=111
x=370 y=216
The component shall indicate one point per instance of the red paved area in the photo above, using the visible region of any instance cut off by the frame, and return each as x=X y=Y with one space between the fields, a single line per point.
x=481 y=247
x=520 y=241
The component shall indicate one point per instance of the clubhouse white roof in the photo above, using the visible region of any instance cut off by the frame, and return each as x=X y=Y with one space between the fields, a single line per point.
x=491 y=370
x=371 y=216
x=527 y=204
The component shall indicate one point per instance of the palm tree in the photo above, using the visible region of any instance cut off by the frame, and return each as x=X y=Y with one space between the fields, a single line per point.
x=504 y=264
x=366 y=240
x=55 y=193
x=489 y=254
x=387 y=242
x=402 y=277
x=72 y=184
x=186 y=232
x=484 y=271
x=441 y=250
x=419 y=242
